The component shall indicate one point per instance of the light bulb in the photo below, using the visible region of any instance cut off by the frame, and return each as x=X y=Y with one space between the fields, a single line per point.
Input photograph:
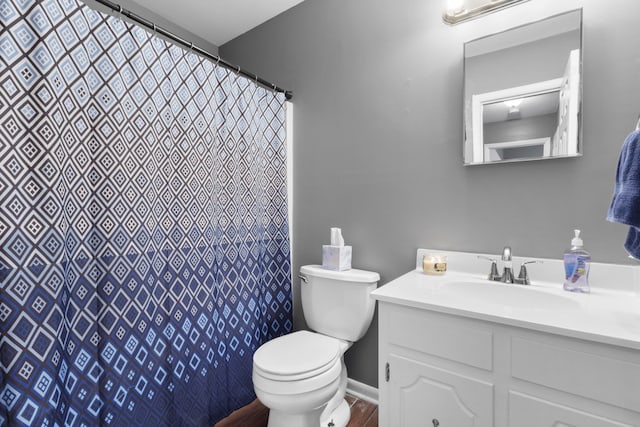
x=455 y=6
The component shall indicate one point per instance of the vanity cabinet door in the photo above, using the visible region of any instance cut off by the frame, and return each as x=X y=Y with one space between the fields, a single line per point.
x=423 y=395
x=530 y=411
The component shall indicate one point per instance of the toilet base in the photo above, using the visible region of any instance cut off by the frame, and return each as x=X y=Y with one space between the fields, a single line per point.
x=339 y=417
x=281 y=419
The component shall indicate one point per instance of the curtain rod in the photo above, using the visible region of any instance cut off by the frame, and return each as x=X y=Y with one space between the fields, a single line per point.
x=218 y=60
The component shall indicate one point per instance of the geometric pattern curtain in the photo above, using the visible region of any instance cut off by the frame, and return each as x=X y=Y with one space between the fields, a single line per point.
x=144 y=247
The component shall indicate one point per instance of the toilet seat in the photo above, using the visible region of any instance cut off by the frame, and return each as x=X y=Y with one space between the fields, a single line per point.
x=297 y=363
x=297 y=356
x=298 y=387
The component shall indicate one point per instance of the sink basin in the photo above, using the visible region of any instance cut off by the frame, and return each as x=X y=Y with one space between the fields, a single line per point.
x=507 y=296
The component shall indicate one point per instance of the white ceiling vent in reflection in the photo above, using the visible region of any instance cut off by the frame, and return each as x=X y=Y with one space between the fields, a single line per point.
x=462 y=10
x=514 y=108
x=513 y=104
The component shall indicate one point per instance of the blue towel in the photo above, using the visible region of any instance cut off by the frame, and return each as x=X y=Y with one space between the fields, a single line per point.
x=625 y=206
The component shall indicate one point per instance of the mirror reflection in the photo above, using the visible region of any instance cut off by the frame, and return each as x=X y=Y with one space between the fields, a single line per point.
x=522 y=92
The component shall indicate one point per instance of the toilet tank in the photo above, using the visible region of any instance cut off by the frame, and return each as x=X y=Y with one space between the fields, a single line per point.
x=338 y=303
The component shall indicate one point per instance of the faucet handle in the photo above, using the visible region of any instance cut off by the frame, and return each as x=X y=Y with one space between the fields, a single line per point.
x=523 y=276
x=493 y=274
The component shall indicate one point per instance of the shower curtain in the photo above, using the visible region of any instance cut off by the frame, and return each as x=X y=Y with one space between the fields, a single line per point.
x=144 y=248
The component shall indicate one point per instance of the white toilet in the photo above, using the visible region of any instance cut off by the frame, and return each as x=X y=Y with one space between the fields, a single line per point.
x=301 y=377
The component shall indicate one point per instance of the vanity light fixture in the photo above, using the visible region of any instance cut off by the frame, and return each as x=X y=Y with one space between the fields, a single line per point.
x=458 y=11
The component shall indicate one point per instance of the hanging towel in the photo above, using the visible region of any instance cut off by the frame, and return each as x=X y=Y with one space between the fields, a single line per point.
x=625 y=206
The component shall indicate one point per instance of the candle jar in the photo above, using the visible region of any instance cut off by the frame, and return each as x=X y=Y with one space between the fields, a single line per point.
x=434 y=264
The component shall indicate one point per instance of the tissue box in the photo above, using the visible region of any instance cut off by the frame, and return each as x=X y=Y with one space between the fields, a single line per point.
x=336 y=257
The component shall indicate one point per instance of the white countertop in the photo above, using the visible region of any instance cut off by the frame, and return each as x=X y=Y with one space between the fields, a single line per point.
x=609 y=315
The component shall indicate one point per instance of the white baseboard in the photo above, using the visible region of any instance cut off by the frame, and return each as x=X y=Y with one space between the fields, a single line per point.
x=362 y=391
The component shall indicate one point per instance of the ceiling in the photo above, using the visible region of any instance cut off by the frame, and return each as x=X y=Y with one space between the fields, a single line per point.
x=217 y=21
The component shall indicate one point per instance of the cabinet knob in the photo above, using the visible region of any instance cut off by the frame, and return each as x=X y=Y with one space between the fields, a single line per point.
x=435 y=422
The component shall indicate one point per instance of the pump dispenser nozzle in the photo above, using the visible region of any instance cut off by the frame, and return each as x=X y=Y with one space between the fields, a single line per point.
x=577 y=241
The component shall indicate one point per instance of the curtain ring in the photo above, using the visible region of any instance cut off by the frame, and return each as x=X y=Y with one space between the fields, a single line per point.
x=218 y=61
x=155 y=30
x=191 y=47
x=238 y=71
x=120 y=12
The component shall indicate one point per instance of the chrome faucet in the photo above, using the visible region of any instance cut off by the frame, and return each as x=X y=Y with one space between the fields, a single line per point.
x=507 y=272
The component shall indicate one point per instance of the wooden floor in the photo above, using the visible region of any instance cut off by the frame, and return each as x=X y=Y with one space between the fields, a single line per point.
x=255 y=414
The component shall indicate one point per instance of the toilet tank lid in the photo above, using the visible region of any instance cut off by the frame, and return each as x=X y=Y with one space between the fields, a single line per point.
x=353 y=275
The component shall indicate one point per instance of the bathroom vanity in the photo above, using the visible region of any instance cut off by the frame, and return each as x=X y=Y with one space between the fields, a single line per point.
x=459 y=350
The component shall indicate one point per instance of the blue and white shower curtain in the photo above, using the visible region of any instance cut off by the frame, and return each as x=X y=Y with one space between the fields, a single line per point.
x=144 y=248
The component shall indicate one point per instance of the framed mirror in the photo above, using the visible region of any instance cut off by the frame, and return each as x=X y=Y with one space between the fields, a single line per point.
x=522 y=92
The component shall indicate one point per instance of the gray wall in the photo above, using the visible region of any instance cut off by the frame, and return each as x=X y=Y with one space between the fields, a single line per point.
x=378 y=137
x=527 y=128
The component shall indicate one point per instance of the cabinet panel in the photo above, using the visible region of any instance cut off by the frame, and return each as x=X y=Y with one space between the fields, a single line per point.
x=568 y=382
x=420 y=393
x=605 y=379
x=442 y=336
x=529 y=411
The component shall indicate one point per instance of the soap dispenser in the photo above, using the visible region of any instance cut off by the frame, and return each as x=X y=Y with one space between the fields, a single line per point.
x=576 y=266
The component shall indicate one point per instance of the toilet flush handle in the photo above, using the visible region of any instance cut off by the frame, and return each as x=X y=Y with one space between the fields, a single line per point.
x=303 y=278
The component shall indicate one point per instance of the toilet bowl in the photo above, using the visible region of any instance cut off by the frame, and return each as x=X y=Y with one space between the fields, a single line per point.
x=297 y=375
x=301 y=377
